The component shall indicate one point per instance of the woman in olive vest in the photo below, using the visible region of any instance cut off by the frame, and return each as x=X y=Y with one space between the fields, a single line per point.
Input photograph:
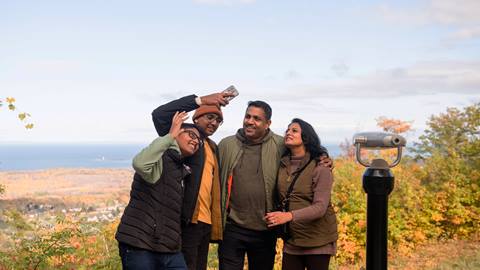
x=304 y=189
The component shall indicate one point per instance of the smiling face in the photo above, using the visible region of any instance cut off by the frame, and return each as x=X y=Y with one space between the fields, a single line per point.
x=255 y=123
x=293 y=136
x=188 y=141
x=208 y=123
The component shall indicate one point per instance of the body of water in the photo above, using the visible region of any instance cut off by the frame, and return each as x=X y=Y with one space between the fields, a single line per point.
x=45 y=156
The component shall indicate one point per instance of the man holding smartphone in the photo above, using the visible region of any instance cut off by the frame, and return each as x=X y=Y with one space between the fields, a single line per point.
x=201 y=209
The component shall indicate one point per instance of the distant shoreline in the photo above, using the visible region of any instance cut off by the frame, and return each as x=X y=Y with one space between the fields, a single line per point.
x=37 y=157
x=66 y=183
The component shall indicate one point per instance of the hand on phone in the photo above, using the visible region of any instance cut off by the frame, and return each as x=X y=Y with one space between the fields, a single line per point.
x=220 y=99
x=232 y=91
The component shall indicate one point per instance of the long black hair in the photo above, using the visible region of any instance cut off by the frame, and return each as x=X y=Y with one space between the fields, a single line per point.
x=310 y=140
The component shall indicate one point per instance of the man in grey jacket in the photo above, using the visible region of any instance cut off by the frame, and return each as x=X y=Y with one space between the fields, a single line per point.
x=249 y=163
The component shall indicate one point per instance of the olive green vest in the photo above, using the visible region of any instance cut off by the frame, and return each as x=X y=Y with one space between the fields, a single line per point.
x=312 y=233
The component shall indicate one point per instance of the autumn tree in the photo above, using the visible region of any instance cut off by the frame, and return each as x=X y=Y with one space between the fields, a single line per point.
x=450 y=150
x=455 y=133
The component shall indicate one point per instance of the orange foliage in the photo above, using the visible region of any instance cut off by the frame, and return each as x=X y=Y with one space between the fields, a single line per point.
x=394 y=125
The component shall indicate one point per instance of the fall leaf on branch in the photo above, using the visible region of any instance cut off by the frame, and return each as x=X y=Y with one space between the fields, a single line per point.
x=22 y=116
x=394 y=125
x=11 y=106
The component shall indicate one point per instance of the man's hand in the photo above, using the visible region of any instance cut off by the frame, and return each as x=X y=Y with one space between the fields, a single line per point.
x=217 y=99
x=177 y=122
x=326 y=162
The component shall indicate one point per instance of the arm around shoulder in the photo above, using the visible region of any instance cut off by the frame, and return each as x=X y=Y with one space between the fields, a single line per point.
x=162 y=116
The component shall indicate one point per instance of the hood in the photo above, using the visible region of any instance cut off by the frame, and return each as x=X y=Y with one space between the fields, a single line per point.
x=241 y=136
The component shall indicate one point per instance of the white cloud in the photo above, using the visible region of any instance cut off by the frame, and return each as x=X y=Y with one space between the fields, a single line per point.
x=466 y=33
x=458 y=12
x=462 y=15
x=425 y=78
x=340 y=69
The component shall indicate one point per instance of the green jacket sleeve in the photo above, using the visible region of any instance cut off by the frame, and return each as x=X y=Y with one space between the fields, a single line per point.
x=148 y=163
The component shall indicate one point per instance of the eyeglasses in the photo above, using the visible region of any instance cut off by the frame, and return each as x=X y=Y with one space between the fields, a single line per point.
x=193 y=136
x=211 y=117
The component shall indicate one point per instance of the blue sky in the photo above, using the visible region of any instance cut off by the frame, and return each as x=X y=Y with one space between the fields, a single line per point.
x=92 y=71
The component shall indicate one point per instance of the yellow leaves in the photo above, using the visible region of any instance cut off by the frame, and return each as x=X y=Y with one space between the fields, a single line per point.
x=403 y=249
x=351 y=251
x=10 y=102
x=394 y=125
x=347 y=220
x=457 y=220
x=350 y=247
x=342 y=228
x=419 y=236
x=437 y=217
x=361 y=224
x=22 y=116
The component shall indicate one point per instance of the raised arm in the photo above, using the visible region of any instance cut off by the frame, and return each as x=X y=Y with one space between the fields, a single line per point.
x=148 y=163
x=162 y=116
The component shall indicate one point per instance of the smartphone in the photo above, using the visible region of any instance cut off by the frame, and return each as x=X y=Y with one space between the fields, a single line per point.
x=231 y=90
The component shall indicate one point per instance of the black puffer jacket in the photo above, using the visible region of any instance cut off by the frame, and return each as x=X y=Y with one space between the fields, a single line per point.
x=152 y=217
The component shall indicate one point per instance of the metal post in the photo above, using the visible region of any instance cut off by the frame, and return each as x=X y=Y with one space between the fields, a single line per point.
x=377 y=183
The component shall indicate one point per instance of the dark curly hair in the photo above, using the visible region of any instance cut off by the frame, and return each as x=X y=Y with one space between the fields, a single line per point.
x=310 y=140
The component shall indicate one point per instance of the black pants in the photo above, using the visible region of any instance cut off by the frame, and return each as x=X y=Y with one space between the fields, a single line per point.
x=259 y=246
x=310 y=262
x=195 y=242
